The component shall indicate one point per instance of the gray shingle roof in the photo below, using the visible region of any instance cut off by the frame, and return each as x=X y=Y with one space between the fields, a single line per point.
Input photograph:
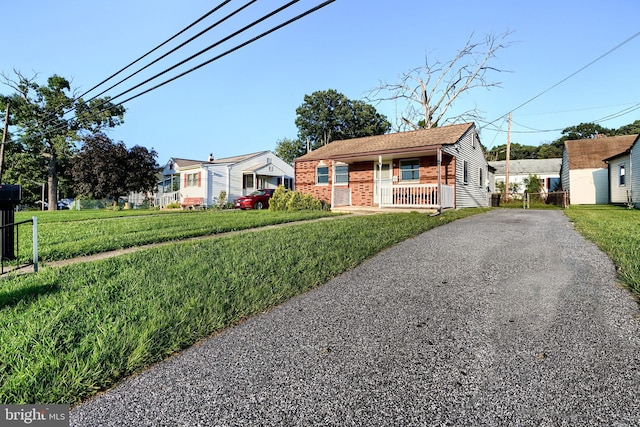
x=528 y=166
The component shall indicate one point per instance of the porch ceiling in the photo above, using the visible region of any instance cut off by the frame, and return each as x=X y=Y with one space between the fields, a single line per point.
x=431 y=151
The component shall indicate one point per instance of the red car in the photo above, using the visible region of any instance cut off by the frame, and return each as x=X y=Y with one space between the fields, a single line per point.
x=259 y=199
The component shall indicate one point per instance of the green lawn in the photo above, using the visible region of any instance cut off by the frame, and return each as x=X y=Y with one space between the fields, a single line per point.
x=616 y=230
x=66 y=333
x=69 y=234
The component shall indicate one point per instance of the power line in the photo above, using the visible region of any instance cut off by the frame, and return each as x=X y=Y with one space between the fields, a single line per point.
x=209 y=28
x=101 y=108
x=159 y=46
x=569 y=76
x=219 y=42
x=277 y=27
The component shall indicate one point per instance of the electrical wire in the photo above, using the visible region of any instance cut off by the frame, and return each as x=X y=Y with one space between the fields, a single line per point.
x=159 y=46
x=277 y=27
x=108 y=103
x=569 y=76
x=208 y=48
x=209 y=28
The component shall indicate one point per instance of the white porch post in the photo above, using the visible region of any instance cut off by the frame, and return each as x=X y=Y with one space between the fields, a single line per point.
x=439 y=155
x=379 y=182
x=333 y=178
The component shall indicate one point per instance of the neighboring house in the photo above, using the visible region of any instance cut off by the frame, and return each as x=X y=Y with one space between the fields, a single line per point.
x=584 y=173
x=624 y=181
x=197 y=183
x=547 y=171
x=442 y=167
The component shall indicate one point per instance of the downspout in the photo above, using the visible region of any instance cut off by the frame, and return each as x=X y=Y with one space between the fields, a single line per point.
x=333 y=178
x=630 y=191
x=439 y=162
x=379 y=182
x=228 y=181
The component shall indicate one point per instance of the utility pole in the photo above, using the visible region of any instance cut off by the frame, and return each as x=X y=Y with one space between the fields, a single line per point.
x=506 y=166
x=4 y=138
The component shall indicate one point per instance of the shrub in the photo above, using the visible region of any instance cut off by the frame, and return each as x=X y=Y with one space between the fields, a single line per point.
x=296 y=202
x=173 y=205
x=287 y=200
x=222 y=200
x=279 y=199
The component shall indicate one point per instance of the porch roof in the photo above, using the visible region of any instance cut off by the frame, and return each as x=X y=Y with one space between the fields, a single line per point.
x=423 y=140
x=268 y=169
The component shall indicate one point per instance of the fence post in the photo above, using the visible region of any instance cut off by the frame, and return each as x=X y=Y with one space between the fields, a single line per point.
x=35 y=244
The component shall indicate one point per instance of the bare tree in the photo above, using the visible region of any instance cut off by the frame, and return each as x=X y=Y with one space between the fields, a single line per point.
x=431 y=90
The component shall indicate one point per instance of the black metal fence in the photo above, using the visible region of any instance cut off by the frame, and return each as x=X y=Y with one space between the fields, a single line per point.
x=10 y=235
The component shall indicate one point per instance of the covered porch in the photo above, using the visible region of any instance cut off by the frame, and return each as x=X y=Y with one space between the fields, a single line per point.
x=264 y=175
x=413 y=180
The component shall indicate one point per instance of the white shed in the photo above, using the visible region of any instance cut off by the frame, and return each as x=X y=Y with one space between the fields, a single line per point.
x=585 y=174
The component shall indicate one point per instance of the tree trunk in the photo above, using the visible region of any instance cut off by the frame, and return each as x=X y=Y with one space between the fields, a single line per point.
x=52 y=180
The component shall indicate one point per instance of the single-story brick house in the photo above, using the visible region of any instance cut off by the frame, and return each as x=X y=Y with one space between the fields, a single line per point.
x=584 y=173
x=436 y=168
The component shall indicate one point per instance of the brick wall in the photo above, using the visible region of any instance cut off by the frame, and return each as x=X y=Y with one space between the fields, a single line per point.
x=361 y=178
x=305 y=173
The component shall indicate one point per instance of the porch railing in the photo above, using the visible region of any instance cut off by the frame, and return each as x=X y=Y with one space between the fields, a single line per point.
x=416 y=196
x=164 y=199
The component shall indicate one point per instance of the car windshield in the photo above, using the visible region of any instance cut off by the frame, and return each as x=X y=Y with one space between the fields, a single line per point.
x=258 y=193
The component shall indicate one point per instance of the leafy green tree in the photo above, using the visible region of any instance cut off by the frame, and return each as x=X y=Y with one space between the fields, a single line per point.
x=326 y=116
x=104 y=169
x=585 y=131
x=289 y=149
x=549 y=151
x=49 y=121
x=630 y=129
x=532 y=184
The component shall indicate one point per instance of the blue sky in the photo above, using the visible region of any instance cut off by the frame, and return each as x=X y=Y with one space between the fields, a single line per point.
x=246 y=101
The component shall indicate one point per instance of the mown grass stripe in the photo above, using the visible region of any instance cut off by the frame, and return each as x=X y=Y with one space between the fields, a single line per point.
x=106 y=319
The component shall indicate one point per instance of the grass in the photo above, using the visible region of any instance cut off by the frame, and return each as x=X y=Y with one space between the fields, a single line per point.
x=616 y=231
x=69 y=234
x=67 y=333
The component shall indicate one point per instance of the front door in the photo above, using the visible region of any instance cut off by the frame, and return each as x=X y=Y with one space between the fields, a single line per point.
x=381 y=177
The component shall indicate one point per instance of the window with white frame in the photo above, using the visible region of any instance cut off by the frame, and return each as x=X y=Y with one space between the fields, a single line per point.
x=410 y=170
x=192 y=179
x=247 y=181
x=481 y=177
x=621 y=175
x=322 y=175
x=342 y=174
x=465 y=172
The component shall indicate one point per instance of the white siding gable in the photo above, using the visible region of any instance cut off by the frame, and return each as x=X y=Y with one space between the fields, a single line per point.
x=468 y=150
x=619 y=174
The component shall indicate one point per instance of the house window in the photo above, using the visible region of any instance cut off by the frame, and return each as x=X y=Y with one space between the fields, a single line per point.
x=481 y=178
x=465 y=172
x=192 y=179
x=621 y=176
x=247 y=181
x=410 y=170
x=322 y=175
x=342 y=174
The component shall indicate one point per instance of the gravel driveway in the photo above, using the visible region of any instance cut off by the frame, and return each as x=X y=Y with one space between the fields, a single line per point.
x=504 y=318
